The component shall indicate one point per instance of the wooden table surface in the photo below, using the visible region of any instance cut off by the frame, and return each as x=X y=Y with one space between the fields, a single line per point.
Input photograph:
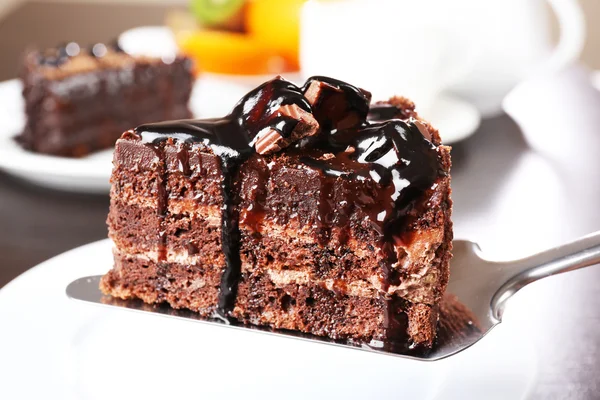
x=520 y=184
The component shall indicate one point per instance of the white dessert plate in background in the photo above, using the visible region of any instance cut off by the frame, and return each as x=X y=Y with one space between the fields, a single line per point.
x=595 y=79
x=53 y=347
x=453 y=117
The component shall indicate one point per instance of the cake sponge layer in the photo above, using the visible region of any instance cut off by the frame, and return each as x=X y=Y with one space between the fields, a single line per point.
x=319 y=311
x=196 y=237
x=194 y=287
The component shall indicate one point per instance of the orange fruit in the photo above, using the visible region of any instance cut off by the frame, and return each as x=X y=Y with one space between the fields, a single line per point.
x=229 y=53
x=276 y=24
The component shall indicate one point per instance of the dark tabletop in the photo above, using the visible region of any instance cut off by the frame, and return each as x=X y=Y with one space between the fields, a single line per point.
x=520 y=185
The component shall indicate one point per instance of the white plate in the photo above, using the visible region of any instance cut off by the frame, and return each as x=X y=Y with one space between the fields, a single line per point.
x=454 y=118
x=595 y=79
x=53 y=347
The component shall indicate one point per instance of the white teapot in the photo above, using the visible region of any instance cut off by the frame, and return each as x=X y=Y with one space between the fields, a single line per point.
x=514 y=43
x=479 y=49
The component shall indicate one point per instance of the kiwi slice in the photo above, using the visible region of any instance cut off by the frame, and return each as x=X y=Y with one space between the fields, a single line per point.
x=216 y=13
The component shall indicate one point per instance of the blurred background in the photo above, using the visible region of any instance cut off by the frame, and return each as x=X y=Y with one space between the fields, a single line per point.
x=498 y=44
x=511 y=85
x=104 y=24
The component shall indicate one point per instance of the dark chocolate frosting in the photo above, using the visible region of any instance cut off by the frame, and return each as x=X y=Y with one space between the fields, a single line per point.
x=231 y=138
x=391 y=154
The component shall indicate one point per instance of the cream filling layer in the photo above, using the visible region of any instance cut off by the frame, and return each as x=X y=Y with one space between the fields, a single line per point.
x=210 y=214
x=414 y=259
x=411 y=289
x=171 y=257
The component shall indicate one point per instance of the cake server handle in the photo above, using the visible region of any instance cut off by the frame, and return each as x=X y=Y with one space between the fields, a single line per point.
x=580 y=253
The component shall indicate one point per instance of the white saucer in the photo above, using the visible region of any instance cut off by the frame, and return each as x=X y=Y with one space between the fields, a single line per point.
x=53 y=347
x=454 y=118
x=595 y=79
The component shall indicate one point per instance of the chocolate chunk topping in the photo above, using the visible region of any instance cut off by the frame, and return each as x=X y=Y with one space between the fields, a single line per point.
x=394 y=154
x=384 y=111
x=275 y=104
x=273 y=138
x=327 y=120
x=336 y=104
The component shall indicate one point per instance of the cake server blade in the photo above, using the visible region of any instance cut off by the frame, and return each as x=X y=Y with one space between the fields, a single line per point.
x=478 y=292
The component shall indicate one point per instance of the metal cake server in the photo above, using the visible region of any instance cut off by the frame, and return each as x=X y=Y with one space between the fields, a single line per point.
x=481 y=287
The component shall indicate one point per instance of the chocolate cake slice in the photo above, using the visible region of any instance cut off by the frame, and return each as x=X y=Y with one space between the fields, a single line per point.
x=306 y=208
x=78 y=101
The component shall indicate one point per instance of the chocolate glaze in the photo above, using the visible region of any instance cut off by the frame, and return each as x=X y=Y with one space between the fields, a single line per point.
x=396 y=324
x=384 y=111
x=390 y=157
x=395 y=155
x=183 y=158
x=338 y=101
x=231 y=139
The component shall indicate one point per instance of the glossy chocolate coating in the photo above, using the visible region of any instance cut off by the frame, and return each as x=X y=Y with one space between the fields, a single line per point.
x=337 y=104
x=391 y=156
x=231 y=139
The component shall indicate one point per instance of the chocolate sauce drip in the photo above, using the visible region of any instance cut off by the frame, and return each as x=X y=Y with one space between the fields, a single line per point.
x=326 y=208
x=382 y=168
x=396 y=326
x=231 y=139
x=396 y=156
x=183 y=158
x=230 y=239
x=393 y=154
x=258 y=109
x=255 y=187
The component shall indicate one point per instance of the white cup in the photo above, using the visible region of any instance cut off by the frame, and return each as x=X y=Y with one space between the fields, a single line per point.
x=387 y=47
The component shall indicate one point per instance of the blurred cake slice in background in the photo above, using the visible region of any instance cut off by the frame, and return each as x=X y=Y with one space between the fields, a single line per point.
x=78 y=101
